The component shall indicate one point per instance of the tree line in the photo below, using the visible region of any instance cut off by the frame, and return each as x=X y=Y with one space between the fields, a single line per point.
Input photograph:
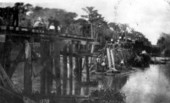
x=93 y=24
x=163 y=44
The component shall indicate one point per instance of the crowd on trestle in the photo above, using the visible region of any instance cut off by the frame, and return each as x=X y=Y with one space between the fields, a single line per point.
x=17 y=15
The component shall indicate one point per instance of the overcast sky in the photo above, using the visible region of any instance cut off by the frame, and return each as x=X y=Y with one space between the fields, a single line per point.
x=151 y=17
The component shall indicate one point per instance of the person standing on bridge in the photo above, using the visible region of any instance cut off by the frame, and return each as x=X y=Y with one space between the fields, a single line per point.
x=53 y=24
x=16 y=14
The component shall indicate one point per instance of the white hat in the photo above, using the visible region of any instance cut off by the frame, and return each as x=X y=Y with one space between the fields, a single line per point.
x=143 y=52
x=52 y=27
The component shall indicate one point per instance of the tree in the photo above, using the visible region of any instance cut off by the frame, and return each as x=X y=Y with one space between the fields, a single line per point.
x=164 y=44
x=68 y=20
x=97 y=22
x=65 y=18
x=115 y=27
x=92 y=15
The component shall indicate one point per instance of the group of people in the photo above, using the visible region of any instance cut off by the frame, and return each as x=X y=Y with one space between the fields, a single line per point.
x=13 y=15
x=10 y=15
x=51 y=24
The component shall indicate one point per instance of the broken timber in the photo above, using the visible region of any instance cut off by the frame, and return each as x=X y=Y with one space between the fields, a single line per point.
x=6 y=81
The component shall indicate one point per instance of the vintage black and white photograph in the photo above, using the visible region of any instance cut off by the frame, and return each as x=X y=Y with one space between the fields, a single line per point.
x=84 y=51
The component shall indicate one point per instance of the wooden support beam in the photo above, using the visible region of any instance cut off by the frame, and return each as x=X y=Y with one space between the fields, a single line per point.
x=50 y=69
x=65 y=71
x=7 y=96
x=80 y=70
x=49 y=79
x=27 y=78
x=71 y=68
x=87 y=69
x=7 y=52
x=77 y=70
x=42 y=82
x=45 y=60
x=76 y=67
x=108 y=57
x=58 y=75
x=113 y=60
x=6 y=81
x=57 y=71
x=18 y=59
x=1 y=53
x=28 y=69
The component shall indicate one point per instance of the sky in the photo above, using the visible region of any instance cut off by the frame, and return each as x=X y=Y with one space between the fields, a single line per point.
x=151 y=17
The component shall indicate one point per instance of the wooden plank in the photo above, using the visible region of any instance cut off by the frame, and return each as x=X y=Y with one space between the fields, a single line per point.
x=79 y=54
x=77 y=38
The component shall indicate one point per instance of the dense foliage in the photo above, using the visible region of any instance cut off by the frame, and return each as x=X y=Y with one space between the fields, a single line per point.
x=164 y=44
x=91 y=25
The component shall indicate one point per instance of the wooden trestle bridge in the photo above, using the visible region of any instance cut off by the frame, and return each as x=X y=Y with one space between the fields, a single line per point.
x=44 y=53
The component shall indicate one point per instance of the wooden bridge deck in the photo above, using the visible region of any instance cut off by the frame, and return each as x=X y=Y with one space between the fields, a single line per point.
x=39 y=33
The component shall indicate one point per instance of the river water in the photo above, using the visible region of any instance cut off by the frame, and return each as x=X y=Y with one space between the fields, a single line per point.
x=151 y=85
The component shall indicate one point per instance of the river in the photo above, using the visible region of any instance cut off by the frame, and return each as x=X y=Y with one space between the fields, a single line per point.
x=151 y=85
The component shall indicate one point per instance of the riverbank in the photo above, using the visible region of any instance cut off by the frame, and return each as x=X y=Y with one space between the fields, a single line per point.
x=159 y=60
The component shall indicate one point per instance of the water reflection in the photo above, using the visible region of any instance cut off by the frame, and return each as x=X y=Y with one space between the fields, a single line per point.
x=149 y=86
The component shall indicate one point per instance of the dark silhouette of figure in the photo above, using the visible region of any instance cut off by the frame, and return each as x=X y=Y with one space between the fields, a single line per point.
x=2 y=16
x=6 y=15
x=16 y=14
x=9 y=13
x=55 y=23
x=86 y=30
